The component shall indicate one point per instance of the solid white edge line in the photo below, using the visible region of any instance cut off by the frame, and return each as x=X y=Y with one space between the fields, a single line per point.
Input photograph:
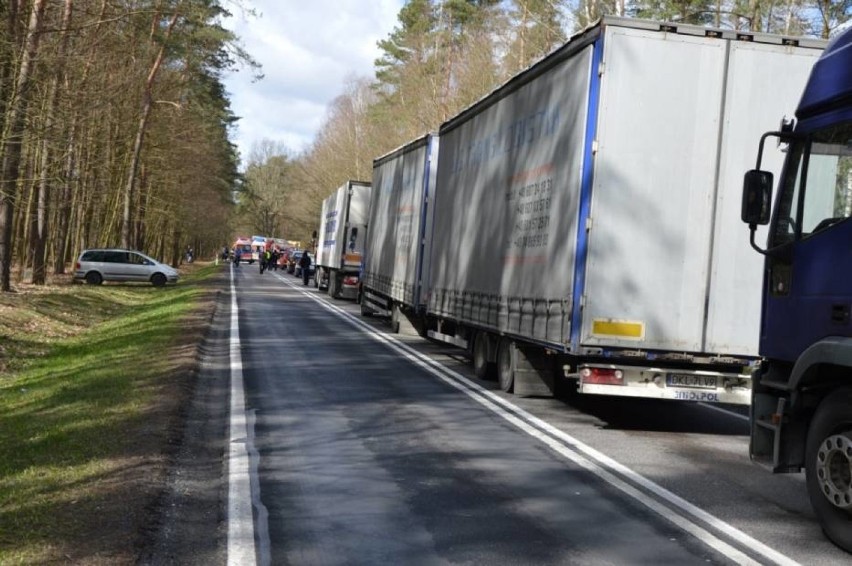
x=601 y=465
x=261 y=523
x=241 y=550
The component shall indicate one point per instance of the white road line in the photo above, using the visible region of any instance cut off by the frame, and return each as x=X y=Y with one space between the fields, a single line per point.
x=241 y=549
x=583 y=455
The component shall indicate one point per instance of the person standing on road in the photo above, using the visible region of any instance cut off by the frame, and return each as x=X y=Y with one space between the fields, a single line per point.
x=238 y=254
x=305 y=265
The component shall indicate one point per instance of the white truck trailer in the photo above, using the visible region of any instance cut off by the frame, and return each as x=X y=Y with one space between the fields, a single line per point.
x=343 y=227
x=584 y=215
x=397 y=248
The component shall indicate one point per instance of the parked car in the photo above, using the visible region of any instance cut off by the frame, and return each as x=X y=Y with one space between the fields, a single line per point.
x=284 y=259
x=98 y=265
x=293 y=260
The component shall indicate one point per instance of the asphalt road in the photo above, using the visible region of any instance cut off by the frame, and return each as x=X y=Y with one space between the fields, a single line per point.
x=371 y=448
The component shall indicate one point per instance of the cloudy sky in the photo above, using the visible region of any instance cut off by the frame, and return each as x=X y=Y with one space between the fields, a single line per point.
x=308 y=50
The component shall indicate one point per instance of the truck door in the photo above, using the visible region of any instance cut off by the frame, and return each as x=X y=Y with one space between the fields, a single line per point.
x=810 y=264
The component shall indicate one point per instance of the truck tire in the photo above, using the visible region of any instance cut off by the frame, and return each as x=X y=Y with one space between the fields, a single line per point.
x=482 y=368
x=506 y=365
x=828 y=466
x=332 y=285
x=337 y=281
x=366 y=311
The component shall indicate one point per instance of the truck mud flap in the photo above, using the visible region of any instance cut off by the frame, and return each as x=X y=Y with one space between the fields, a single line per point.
x=533 y=372
x=402 y=323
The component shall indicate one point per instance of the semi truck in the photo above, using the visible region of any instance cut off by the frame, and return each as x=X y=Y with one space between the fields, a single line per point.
x=343 y=226
x=581 y=222
x=801 y=412
x=397 y=246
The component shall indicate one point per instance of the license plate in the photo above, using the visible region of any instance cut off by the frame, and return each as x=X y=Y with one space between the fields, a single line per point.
x=691 y=381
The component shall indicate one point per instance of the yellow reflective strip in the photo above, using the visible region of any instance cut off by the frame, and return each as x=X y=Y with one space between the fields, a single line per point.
x=622 y=328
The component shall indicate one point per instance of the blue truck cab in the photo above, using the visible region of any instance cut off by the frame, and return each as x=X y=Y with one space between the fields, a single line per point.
x=801 y=411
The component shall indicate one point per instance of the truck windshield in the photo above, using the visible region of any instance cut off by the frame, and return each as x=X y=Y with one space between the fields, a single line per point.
x=827 y=188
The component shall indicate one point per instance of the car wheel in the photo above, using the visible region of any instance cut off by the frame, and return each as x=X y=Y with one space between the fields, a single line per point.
x=158 y=280
x=828 y=466
x=94 y=278
x=506 y=365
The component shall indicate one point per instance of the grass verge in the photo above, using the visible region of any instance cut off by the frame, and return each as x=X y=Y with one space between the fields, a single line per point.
x=92 y=381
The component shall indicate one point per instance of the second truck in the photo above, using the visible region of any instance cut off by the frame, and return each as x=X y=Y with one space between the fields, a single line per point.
x=340 y=245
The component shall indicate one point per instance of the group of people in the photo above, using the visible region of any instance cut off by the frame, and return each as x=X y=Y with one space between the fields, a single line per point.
x=269 y=260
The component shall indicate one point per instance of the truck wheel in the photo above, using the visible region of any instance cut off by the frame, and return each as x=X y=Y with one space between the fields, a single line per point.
x=332 y=285
x=482 y=368
x=828 y=466
x=365 y=310
x=506 y=365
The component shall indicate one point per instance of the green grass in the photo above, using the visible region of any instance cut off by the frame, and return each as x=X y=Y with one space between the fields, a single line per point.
x=82 y=371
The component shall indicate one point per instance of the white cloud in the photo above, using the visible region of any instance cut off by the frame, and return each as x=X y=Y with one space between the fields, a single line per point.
x=308 y=49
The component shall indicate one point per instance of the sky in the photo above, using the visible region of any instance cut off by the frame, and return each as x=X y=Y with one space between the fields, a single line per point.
x=308 y=50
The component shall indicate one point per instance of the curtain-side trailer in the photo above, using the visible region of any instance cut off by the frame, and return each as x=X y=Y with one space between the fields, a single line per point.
x=581 y=223
x=343 y=226
x=397 y=251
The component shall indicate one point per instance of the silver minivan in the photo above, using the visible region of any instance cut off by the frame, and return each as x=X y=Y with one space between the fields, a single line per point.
x=98 y=265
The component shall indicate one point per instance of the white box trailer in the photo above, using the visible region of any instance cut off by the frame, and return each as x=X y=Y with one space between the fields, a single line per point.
x=584 y=216
x=343 y=227
x=397 y=249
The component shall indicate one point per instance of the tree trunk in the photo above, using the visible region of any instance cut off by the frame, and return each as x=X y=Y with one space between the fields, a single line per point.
x=14 y=141
x=40 y=222
x=63 y=220
x=147 y=103
x=71 y=174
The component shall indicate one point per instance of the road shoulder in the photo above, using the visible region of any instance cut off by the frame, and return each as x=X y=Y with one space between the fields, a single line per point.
x=188 y=518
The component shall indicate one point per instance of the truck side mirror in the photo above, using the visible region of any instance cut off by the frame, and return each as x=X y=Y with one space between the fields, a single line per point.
x=757 y=197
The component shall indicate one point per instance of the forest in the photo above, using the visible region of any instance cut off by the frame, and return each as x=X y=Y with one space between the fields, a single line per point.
x=116 y=125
